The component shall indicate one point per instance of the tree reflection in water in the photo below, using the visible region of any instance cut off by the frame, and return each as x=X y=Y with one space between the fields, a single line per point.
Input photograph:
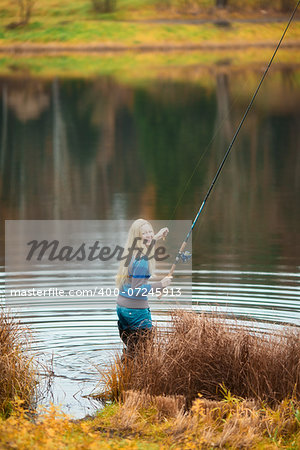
x=97 y=149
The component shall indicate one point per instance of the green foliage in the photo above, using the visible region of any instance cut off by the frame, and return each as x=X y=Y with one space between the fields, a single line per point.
x=228 y=397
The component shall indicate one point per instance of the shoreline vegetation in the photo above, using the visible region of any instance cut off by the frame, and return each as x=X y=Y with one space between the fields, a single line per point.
x=206 y=381
x=210 y=355
x=145 y=25
x=143 y=39
x=53 y=48
x=132 y=69
x=18 y=370
x=122 y=36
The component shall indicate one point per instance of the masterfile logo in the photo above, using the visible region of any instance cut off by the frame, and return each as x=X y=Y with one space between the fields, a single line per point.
x=80 y=259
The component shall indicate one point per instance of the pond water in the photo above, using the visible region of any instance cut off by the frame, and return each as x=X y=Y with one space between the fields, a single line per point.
x=98 y=149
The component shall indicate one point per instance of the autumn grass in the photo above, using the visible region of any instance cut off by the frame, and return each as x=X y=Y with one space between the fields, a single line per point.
x=17 y=368
x=148 y=9
x=134 y=68
x=55 y=430
x=204 y=355
x=143 y=421
x=76 y=23
x=49 y=30
x=219 y=385
x=229 y=423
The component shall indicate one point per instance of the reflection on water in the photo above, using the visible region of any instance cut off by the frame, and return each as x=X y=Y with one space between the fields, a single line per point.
x=100 y=150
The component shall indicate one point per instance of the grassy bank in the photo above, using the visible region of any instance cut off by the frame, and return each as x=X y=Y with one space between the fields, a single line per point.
x=73 y=24
x=137 y=10
x=141 y=421
x=111 y=33
x=132 y=44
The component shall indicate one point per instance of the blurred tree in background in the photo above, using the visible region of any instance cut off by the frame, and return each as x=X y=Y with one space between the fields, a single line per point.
x=104 y=6
x=187 y=6
x=25 y=10
x=221 y=3
x=287 y=5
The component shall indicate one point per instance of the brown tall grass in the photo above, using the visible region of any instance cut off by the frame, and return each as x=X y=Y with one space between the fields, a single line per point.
x=209 y=355
x=17 y=369
x=231 y=423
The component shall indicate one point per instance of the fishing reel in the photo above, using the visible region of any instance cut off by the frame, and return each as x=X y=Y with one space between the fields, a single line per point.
x=185 y=256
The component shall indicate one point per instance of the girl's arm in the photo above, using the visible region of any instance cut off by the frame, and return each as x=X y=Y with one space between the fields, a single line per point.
x=161 y=234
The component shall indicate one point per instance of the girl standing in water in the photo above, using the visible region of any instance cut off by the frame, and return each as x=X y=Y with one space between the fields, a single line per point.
x=133 y=282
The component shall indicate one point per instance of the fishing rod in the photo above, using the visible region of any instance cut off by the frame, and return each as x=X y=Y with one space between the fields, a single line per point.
x=182 y=255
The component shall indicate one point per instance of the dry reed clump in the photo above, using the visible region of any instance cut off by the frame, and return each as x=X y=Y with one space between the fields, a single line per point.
x=200 y=354
x=137 y=409
x=115 y=378
x=17 y=372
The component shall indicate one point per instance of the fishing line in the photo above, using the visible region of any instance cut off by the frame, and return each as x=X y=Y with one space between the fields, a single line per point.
x=181 y=254
x=219 y=127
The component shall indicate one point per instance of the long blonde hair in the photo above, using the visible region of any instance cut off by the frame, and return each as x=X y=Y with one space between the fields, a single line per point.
x=133 y=233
